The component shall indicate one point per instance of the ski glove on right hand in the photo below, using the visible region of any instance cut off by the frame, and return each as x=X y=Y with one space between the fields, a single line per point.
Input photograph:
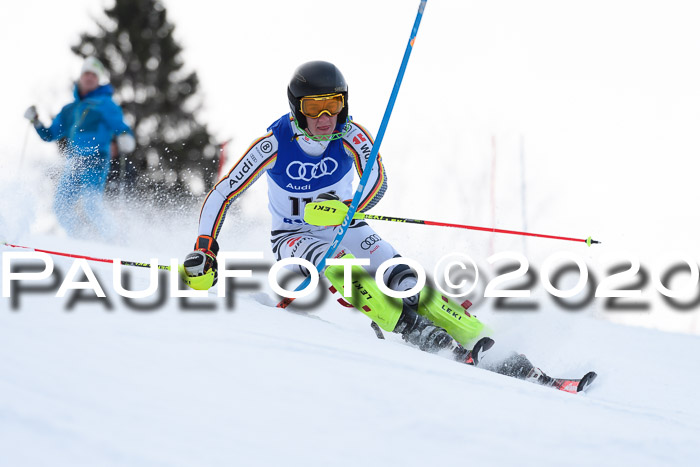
x=326 y=209
x=200 y=269
x=32 y=115
x=126 y=143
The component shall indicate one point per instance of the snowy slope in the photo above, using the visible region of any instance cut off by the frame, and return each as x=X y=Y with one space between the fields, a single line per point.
x=254 y=385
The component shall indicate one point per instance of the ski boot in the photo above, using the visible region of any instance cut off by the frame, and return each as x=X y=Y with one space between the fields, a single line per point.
x=473 y=356
x=417 y=330
x=447 y=314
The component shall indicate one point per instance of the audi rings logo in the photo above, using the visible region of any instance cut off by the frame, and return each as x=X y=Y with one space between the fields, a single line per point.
x=307 y=171
x=369 y=241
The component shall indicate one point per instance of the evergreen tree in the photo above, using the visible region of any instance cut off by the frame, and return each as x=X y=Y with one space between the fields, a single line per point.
x=175 y=152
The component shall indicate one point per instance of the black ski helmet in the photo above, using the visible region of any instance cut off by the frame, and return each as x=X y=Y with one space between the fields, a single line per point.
x=314 y=78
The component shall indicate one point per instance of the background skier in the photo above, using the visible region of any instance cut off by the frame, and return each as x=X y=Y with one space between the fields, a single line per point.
x=87 y=126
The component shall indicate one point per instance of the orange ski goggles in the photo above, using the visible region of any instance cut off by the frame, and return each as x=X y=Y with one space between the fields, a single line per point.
x=315 y=106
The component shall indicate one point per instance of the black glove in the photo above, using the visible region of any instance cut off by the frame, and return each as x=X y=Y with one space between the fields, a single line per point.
x=202 y=261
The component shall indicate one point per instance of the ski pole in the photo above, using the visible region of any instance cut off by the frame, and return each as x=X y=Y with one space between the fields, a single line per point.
x=24 y=147
x=323 y=213
x=89 y=258
x=588 y=241
x=370 y=161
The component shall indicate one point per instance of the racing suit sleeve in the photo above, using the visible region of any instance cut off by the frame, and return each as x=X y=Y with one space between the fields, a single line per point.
x=243 y=174
x=358 y=145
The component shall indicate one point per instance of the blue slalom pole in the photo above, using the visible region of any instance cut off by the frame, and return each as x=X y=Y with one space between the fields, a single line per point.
x=370 y=162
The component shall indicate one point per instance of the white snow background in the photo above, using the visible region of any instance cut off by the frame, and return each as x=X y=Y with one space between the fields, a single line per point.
x=602 y=99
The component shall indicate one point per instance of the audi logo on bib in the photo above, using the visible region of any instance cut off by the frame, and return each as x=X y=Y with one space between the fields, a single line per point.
x=307 y=171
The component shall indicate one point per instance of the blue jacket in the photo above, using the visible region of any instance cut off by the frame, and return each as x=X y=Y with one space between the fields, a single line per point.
x=89 y=123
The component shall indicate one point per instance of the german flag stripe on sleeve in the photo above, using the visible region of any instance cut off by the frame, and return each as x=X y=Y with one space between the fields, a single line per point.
x=243 y=173
x=245 y=153
x=244 y=186
x=376 y=187
x=356 y=157
x=232 y=168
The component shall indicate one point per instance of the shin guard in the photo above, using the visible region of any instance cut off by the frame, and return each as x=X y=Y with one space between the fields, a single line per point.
x=366 y=296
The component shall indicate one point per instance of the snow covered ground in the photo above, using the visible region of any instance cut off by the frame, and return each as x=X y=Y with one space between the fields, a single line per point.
x=84 y=383
x=552 y=127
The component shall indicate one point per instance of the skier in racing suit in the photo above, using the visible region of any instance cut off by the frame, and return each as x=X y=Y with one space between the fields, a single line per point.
x=309 y=155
